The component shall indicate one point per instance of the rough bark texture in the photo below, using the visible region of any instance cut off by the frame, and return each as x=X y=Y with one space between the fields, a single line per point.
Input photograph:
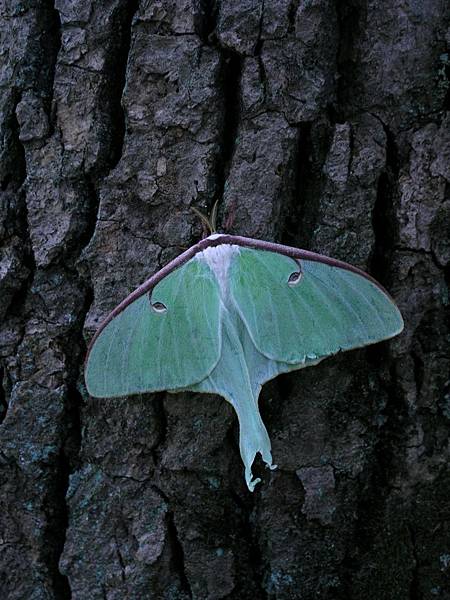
x=320 y=124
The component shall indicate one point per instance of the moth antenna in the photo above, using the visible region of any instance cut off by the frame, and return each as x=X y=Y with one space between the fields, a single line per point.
x=213 y=217
x=229 y=219
x=212 y=221
x=203 y=218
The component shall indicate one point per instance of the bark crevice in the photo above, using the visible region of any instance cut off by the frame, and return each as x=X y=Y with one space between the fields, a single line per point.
x=57 y=527
x=3 y=396
x=177 y=554
x=16 y=175
x=383 y=217
x=250 y=537
x=349 y=15
x=51 y=48
x=115 y=69
x=414 y=588
x=294 y=233
x=232 y=64
x=205 y=20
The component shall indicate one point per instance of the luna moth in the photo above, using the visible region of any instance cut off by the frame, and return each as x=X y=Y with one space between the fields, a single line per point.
x=229 y=314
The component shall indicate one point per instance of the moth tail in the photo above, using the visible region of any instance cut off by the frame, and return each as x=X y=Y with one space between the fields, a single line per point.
x=253 y=438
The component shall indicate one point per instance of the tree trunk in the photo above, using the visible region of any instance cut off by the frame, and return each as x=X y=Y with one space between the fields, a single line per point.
x=318 y=124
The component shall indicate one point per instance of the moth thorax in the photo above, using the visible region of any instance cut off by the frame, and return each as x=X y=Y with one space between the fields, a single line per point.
x=218 y=259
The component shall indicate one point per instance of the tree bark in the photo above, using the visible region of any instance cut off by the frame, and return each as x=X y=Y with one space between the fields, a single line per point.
x=318 y=124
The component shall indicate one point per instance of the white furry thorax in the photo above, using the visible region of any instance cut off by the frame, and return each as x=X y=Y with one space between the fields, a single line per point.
x=218 y=259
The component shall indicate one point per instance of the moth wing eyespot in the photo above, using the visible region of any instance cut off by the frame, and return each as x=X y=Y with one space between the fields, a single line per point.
x=157 y=307
x=295 y=277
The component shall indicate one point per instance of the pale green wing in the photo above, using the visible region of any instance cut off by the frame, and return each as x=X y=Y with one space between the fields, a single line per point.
x=325 y=310
x=143 y=349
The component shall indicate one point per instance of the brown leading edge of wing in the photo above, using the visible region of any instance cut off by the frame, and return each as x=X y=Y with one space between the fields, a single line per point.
x=216 y=240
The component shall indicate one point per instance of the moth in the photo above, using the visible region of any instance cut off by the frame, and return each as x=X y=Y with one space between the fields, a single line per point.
x=229 y=314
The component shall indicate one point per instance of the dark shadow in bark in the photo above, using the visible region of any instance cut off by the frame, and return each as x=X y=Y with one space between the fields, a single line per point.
x=177 y=554
x=3 y=401
x=230 y=86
